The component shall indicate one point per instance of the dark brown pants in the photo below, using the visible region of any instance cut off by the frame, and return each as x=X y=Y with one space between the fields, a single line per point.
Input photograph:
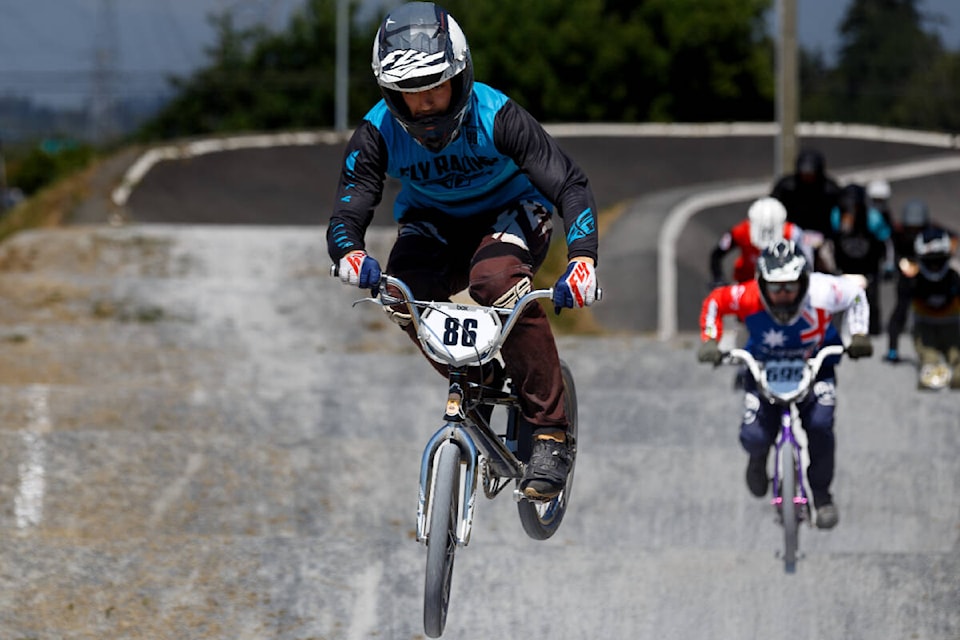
x=490 y=256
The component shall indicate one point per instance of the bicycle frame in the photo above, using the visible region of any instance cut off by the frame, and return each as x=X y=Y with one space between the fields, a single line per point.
x=787 y=438
x=786 y=383
x=463 y=336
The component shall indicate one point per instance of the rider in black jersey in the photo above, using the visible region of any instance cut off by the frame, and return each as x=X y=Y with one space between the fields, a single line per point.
x=479 y=181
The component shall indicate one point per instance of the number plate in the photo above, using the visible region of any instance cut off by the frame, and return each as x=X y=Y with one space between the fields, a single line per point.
x=784 y=376
x=459 y=334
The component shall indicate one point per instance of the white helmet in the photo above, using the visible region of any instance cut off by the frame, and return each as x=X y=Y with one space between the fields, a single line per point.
x=767 y=217
x=878 y=189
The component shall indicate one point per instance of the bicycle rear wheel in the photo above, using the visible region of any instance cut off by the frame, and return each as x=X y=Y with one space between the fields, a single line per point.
x=789 y=508
x=541 y=520
x=442 y=540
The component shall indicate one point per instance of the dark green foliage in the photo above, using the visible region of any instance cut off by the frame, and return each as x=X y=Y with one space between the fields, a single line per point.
x=891 y=71
x=33 y=168
x=592 y=60
x=262 y=81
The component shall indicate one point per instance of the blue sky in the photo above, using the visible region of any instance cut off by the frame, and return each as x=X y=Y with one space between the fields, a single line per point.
x=48 y=47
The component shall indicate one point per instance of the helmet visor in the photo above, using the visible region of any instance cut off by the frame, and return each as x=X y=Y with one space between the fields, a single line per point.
x=782 y=287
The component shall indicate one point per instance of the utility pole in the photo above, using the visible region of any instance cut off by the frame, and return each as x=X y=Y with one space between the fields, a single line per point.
x=788 y=81
x=106 y=60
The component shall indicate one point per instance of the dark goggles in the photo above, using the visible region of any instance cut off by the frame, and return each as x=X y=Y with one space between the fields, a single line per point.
x=783 y=287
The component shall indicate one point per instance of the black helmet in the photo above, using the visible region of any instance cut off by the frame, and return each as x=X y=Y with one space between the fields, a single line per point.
x=853 y=201
x=781 y=263
x=810 y=163
x=420 y=46
x=933 y=249
x=915 y=214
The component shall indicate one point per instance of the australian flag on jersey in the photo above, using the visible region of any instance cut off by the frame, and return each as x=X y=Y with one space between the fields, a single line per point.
x=768 y=340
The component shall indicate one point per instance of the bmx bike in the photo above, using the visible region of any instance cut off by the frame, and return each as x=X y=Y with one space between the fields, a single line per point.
x=785 y=383
x=467 y=452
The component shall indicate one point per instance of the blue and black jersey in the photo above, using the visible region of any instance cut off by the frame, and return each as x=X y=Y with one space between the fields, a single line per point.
x=502 y=155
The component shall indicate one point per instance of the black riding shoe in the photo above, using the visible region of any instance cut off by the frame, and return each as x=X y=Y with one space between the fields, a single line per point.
x=827 y=515
x=757 y=479
x=546 y=474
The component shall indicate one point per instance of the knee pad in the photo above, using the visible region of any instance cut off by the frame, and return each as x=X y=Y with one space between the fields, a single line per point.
x=751 y=405
x=401 y=318
x=513 y=294
x=818 y=415
x=754 y=436
x=825 y=392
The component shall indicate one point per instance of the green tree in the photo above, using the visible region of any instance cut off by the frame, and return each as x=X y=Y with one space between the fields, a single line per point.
x=931 y=99
x=719 y=59
x=262 y=81
x=883 y=46
x=819 y=88
x=603 y=60
x=591 y=60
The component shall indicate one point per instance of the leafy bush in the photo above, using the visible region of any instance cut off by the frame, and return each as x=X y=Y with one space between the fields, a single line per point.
x=46 y=163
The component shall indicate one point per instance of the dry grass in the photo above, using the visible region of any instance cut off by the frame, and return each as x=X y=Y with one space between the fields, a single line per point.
x=50 y=206
x=579 y=321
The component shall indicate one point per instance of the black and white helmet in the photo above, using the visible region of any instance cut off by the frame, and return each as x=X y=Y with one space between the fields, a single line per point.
x=783 y=264
x=933 y=249
x=420 y=46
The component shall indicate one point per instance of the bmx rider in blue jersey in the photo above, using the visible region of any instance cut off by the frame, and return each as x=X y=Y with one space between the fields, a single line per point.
x=480 y=179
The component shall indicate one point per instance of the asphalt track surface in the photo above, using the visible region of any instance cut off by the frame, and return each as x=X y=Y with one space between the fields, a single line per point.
x=202 y=438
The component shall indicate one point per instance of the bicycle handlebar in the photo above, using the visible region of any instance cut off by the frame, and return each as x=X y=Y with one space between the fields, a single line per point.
x=414 y=305
x=418 y=308
x=811 y=369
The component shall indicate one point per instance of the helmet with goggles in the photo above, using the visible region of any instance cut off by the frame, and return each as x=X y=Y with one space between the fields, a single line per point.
x=419 y=46
x=782 y=268
x=933 y=249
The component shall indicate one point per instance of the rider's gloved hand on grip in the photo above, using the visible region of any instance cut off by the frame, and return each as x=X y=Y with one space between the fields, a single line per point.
x=577 y=287
x=709 y=351
x=860 y=346
x=360 y=270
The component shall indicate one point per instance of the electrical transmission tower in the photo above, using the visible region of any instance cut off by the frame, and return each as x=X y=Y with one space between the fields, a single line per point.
x=106 y=61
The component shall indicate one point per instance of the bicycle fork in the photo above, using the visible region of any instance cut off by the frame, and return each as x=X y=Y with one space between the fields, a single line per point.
x=787 y=439
x=474 y=441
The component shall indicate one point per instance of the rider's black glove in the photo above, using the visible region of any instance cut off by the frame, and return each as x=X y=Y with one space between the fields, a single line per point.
x=860 y=347
x=709 y=352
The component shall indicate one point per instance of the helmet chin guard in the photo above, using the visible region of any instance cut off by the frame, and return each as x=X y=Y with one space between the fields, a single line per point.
x=420 y=46
x=782 y=264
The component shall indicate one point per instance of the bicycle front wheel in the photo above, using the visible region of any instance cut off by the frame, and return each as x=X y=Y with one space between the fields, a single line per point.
x=442 y=539
x=542 y=519
x=789 y=508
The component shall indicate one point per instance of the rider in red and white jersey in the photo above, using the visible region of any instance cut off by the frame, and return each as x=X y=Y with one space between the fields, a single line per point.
x=787 y=311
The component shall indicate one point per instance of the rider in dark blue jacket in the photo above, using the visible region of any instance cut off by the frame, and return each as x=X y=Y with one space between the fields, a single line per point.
x=479 y=180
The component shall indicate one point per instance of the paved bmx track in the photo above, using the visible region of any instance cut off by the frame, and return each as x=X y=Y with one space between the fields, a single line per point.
x=202 y=438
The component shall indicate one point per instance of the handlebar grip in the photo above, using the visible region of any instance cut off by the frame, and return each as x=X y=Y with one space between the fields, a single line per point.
x=335 y=271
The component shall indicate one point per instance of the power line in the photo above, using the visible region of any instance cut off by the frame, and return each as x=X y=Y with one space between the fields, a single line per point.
x=106 y=62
